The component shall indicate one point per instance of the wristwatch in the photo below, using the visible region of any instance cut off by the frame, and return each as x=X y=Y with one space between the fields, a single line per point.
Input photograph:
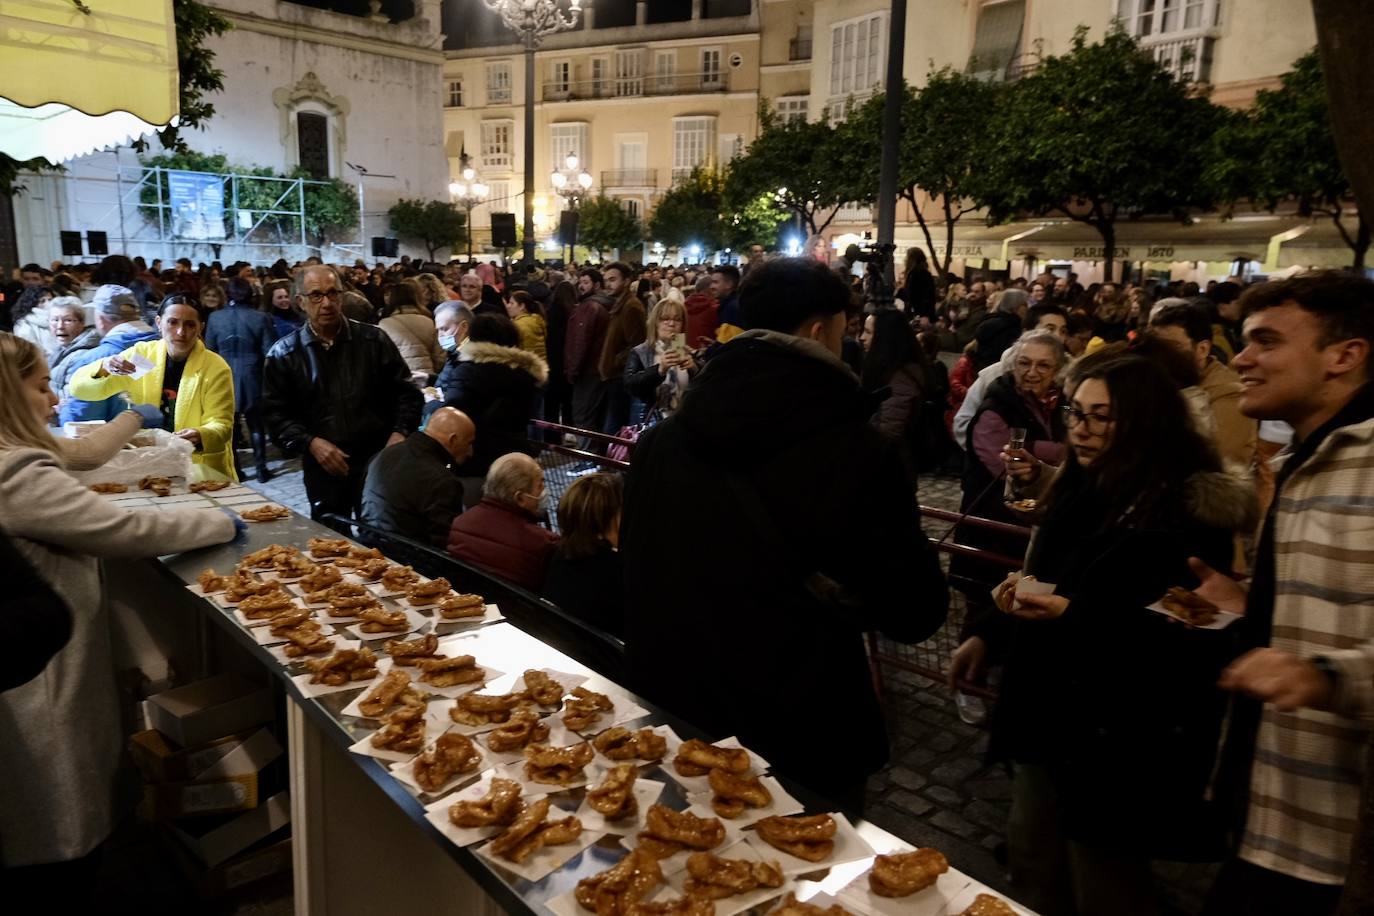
x=1328 y=668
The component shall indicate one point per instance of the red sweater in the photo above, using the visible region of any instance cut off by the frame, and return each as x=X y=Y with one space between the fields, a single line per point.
x=505 y=541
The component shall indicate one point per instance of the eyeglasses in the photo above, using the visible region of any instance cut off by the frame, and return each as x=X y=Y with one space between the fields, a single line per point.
x=1097 y=424
x=317 y=296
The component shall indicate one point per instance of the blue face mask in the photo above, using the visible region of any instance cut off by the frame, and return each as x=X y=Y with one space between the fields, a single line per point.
x=449 y=342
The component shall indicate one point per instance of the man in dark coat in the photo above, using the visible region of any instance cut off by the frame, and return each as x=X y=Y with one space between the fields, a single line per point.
x=411 y=487
x=586 y=338
x=999 y=329
x=817 y=535
x=243 y=336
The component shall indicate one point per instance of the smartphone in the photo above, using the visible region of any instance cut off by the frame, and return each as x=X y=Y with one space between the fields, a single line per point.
x=679 y=344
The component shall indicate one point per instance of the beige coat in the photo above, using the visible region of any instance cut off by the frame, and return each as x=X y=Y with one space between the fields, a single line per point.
x=1235 y=433
x=412 y=330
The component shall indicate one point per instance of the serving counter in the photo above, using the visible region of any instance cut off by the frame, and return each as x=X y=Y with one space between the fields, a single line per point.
x=362 y=840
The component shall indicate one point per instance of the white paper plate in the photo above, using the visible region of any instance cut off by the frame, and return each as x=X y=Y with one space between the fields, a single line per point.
x=931 y=901
x=781 y=806
x=729 y=906
x=678 y=860
x=849 y=847
x=1224 y=618
x=646 y=792
x=279 y=651
x=547 y=860
x=437 y=814
x=696 y=785
x=405 y=773
x=364 y=746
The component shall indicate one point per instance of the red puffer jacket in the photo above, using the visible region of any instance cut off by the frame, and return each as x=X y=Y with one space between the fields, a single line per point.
x=503 y=540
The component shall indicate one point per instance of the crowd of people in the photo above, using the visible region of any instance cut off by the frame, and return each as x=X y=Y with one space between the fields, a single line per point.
x=785 y=427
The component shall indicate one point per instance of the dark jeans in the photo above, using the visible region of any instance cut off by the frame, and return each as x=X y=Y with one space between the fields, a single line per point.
x=589 y=402
x=337 y=495
x=617 y=407
x=1243 y=889
x=557 y=407
x=257 y=434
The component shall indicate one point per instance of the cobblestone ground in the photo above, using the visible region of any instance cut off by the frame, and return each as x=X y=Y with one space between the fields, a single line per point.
x=937 y=790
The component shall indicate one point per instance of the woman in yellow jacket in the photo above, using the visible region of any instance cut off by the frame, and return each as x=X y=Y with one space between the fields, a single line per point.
x=192 y=386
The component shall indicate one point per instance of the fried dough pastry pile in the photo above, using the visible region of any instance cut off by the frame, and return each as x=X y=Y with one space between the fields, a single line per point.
x=408 y=652
x=211 y=582
x=735 y=793
x=450 y=756
x=1190 y=607
x=906 y=873
x=810 y=838
x=321 y=548
x=261 y=607
x=585 y=708
x=620 y=743
x=988 y=905
x=357 y=556
x=523 y=728
x=372 y=570
x=712 y=878
x=345 y=599
x=680 y=906
x=292 y=565
x=291 y=619
x=268 y=513
x=697 y=758
x=382 y=620
x=543 y=689
x=394 y=688
x=111 y=488
x=477 y=709
x=319 y=579
x=627 y=882
x=458 y=607
x=343 y=667
x=450 y=672
x=420 y=594
x=531 y=832
x=404 y=730
x=555 y=766
x=666 y=831
x=498 y=808
x=241 y=585
x=266 y=558
x=791 y=906
x=614 y=799
x=399 y=577
x=207 y=486
x=161 y=486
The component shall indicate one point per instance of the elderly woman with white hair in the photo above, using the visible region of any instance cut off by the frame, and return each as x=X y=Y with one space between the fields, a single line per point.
x=67 y=323
x=502 y=534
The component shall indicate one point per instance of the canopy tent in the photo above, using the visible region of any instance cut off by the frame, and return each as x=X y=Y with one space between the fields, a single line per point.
x=72 y=82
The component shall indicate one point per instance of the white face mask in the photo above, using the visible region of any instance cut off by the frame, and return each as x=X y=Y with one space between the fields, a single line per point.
x=449 y=342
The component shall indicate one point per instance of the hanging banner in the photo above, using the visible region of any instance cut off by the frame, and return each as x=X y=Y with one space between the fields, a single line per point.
x=196 y=202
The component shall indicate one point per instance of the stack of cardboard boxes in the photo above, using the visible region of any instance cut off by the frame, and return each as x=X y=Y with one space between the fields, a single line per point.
x=205 y=762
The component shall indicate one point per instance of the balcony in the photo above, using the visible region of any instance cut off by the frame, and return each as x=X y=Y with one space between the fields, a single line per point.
x=630 y=178
x=1188 y=54
x=637 y=87
x=799 y=49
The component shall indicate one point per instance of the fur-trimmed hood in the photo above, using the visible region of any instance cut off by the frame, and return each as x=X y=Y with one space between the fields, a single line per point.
x=1222 y=500
x=510 y=357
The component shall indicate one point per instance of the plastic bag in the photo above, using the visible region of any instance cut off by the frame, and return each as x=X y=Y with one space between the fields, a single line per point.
x=151 y=453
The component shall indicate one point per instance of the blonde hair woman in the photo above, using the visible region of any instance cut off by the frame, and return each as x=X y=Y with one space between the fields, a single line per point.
x=60 y=733
x=658 y=370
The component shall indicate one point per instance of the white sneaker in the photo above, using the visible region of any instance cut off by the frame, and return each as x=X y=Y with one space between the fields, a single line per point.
x=972 y=709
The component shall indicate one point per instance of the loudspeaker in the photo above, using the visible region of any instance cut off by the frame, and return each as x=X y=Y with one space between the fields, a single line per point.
x=503 y=230
x=567 y=227
x=71 y=243
x=383 y=247
x=97 y=243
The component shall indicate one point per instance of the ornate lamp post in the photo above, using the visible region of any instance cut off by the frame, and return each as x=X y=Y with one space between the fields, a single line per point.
x=532 y=20
x=572 y=184
x=468 y=191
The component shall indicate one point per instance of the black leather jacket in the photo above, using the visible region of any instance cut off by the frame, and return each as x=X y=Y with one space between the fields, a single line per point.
x=354 y=394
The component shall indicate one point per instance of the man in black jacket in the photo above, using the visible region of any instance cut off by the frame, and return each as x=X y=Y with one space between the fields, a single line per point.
x=411 y=487
x=337 y=391
x=815 y=538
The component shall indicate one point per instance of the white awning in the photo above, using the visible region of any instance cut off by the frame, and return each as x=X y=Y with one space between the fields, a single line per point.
x=74 y=82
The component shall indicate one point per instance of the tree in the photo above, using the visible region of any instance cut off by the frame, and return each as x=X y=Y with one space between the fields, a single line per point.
x=942 y=153
x=435 y=224
x=752 y=222
x=793 y=161
x=689 y=213
x=194 y=23
x=1282 y=149
x=603 y=223
x=1096 y=134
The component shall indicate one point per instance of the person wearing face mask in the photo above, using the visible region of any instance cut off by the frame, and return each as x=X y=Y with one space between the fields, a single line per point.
x=190 y=384
x=1109 y=713
x=502 y=534
x=412 y=488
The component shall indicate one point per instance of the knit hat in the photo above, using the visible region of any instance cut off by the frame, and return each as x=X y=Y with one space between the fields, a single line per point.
x=114 y=301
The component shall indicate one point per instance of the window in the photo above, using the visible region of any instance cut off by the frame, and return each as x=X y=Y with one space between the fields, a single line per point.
x=856 y=55
x=694 y=141
x=629 y=72
x=498 y=196
x=570 y=138
x=455 y=93
x=631 y=205
x=1156 y=17
x=665 y=62
x=728 y=147
x=560 y=77
x=997 y=40
x=792 y=108
x=710 y=68
x=496 y=144
x=800 y=47
x=599 y=67
x=498 y=83
x=854 y=213
x=312 y=143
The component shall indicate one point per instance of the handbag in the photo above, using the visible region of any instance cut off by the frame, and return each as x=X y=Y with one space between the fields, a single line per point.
x=632 y=432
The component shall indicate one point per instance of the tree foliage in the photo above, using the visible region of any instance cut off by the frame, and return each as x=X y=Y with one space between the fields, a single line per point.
x=793 y=161
x=689 y=213
x=603 y=224
x=435 y=224
x=1282 y=149
x=1097 y=134
x=751 y=222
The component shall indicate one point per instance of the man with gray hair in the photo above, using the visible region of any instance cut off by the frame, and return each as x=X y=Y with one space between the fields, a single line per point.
x=501 y=534
x=120 y=325
x=1000 y=329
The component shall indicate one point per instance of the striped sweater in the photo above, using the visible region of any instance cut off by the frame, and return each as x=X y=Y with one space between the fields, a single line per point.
x=1309 y=764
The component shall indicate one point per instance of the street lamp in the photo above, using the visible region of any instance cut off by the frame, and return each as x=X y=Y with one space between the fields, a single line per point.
x=532 y=20
x=468 y=191
x=572 y=184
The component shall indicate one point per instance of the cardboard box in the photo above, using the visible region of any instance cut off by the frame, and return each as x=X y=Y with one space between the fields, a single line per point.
x=228 y=782
x=210 y=709
x=264 y=859
x=159 y=761
x=215 y=840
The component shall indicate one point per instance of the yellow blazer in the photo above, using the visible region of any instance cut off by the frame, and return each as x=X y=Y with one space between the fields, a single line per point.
x=205 y=400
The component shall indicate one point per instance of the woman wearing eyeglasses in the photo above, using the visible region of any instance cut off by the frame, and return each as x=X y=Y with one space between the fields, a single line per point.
x=1108 y=711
